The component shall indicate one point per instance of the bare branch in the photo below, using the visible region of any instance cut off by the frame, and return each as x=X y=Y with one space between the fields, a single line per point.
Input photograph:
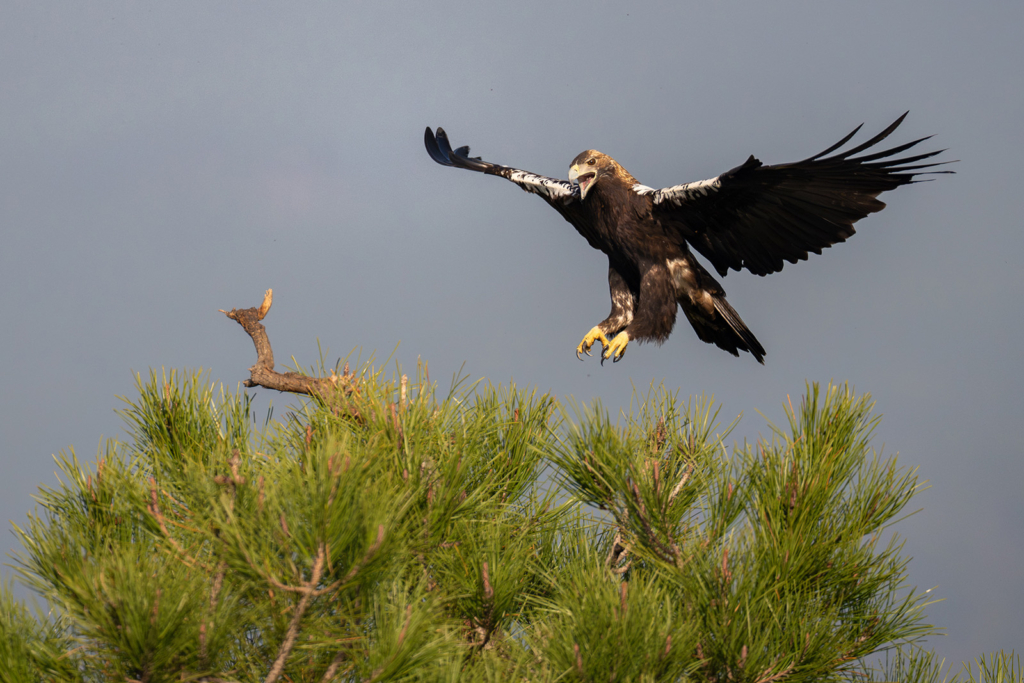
x=488 y=591
x=485 y=628
x=300 y=611
x=263 y=375
x=332 y=670
x=678 y=487
x=284 y=587
x=765 y=678
x=308 y=589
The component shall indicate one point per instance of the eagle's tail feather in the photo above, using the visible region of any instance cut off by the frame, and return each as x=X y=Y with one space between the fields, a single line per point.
x=741 y=337
x=724 y=328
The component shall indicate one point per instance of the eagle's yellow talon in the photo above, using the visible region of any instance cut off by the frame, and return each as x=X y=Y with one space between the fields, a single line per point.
x=594 y=335
x=615 y=348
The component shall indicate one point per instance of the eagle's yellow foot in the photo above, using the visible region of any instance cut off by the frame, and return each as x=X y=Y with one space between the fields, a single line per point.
x=615 y=348
x=588 y=340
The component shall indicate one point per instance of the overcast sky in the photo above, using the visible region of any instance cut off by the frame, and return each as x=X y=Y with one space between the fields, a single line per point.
x=161 y=161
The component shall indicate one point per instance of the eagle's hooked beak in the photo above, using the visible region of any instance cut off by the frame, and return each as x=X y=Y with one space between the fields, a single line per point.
x=584 y=181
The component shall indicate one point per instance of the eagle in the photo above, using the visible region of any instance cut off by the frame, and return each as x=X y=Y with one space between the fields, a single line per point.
x=753 y=216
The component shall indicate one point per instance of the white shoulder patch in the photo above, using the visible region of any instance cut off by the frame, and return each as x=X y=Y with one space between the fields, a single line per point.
x=543 y=185
x=643 y=189
x=677 y=194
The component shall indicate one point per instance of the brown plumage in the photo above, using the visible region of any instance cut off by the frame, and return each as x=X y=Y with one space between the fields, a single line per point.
x=752 y=217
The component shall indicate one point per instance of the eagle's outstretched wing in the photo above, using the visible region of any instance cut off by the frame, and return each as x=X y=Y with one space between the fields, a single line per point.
x=756 y=216
x=562 y=195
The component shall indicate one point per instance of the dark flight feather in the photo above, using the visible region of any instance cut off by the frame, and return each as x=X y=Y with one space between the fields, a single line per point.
x=760 y=216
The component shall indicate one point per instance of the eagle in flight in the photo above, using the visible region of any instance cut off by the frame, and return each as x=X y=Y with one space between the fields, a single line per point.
x=752 y=217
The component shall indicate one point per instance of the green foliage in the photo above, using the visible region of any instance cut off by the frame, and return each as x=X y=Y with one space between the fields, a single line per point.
x=995 y=668
x=913 y=665
x=772 y=554
x=32 y=648
x=491 y=535
x=599 y=627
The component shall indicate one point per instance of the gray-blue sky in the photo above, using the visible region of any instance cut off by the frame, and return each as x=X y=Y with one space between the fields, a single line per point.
x=161 y=161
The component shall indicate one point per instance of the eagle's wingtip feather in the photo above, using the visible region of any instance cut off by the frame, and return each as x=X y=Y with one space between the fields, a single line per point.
x=433 y=148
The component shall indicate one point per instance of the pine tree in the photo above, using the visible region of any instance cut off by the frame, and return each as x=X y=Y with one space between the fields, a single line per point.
x=383 y=534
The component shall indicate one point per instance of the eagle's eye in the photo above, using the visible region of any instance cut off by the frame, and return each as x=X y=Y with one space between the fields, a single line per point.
x=590 y=162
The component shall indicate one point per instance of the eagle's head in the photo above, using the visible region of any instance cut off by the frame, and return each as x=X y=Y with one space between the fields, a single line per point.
x=591 y=166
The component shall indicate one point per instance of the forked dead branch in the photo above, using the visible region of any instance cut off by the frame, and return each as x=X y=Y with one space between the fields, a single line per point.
x=262 y=374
